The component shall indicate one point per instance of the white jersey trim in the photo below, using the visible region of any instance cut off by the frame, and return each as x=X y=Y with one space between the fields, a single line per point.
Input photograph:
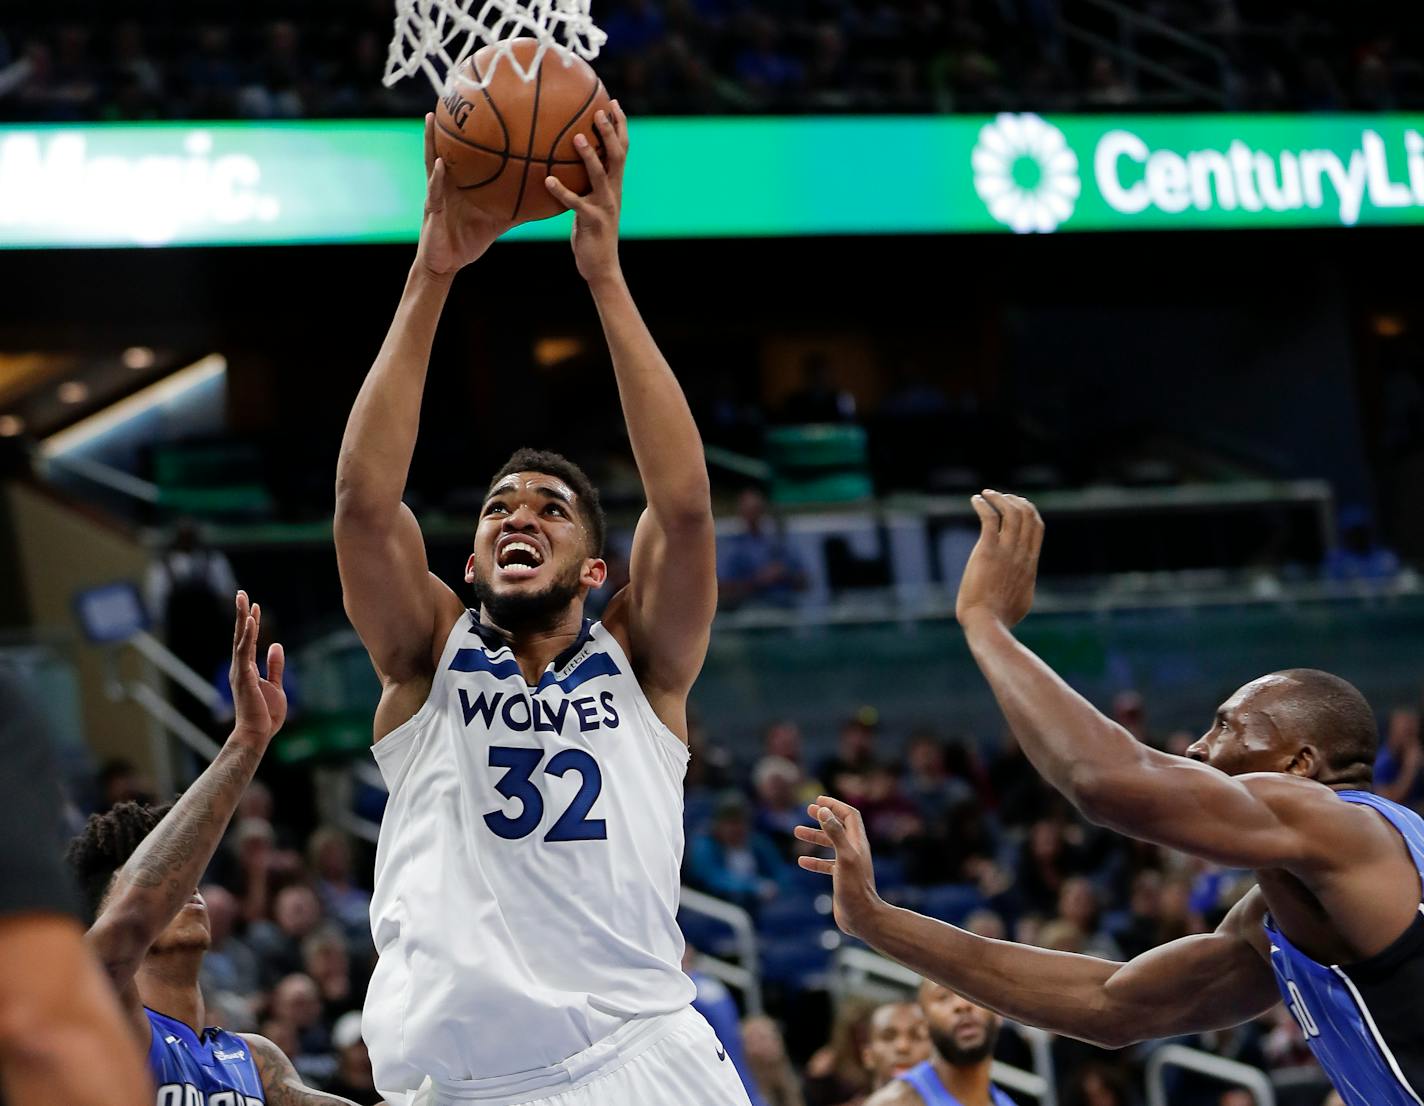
x=1375 y=1033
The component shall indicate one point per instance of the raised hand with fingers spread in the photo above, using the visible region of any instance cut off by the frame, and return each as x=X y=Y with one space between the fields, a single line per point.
x=839 y=827
x=259 y=703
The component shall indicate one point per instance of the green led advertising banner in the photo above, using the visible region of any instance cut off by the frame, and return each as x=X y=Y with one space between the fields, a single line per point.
x=171 y=184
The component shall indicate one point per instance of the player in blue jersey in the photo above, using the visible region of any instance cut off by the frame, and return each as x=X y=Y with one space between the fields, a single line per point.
x=962 y=1039
x=1281 y=783
x=139 y=869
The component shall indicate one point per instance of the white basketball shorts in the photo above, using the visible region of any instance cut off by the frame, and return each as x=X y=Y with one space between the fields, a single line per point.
x=658 y=1061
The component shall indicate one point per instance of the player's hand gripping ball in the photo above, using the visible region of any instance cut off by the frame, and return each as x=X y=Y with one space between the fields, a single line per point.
x=500 y=142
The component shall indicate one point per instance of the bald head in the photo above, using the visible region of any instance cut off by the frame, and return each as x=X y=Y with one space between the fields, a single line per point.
x=1299 y=720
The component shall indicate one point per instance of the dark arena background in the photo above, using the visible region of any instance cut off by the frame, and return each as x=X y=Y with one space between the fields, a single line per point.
x=1200 y=356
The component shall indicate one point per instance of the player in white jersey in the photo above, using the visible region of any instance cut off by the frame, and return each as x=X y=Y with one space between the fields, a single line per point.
x=527 y=871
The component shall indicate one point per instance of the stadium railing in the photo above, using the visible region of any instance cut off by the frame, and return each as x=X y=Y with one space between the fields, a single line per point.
x=1254 y=1081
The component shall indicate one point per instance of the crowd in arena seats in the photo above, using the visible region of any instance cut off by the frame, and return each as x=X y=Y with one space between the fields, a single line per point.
x=961 y=831
x=306 y=59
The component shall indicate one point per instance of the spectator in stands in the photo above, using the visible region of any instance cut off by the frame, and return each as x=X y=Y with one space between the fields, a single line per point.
x=120 y=781
x=818 y=399
x=781 y=740
x=767 y=71
x=891 y=818
x=1099 y=1085
x=1399 y=768
x=230 y=967
x=296 y=912
x=836 y=1073
x=927 y=781
x=329 y=858
x=189 y=591
x=1359 y=556
x=1140 y=929
x=779 y=807
x=769 y=1065
x=987 y=923
x=898 y=1039
x=1045 y=862
x=733 y=862
x=296 y=1003
x=758 y=565
x=1078 y=905
x=326 y=961
x=848 y=771
x=353 y=1079
x=262 y=868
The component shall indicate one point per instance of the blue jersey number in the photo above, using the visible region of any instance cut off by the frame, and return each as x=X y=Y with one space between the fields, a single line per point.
x=574 y=824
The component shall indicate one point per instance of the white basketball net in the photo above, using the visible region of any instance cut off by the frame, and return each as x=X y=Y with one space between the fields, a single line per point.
x=436 y=35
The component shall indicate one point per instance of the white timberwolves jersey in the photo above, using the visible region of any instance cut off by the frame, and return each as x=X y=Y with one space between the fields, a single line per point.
x=527 y=873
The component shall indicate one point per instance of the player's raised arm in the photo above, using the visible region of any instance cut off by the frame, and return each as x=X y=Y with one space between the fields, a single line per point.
x=666 y=611
x=1207 y=981
x=390 y=596
x=1271 y=819
x=163 y=872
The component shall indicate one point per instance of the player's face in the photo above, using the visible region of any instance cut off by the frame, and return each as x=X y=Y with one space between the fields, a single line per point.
x=899 y=1039
x=189 y=930
x=1243 y=738
x=530 y=558
x=961 y=1032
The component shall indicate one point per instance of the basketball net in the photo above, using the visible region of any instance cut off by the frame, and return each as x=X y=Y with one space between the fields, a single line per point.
x=436 y=35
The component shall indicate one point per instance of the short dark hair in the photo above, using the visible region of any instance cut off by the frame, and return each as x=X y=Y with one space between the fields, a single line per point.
x=556 y=464
x=1334 y=716
x=105 y=845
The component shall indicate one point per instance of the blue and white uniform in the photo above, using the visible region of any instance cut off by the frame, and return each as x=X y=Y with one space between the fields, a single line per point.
x=931 y=1088
x=526 y=890
x=1365 y=1021
x=212 y=1068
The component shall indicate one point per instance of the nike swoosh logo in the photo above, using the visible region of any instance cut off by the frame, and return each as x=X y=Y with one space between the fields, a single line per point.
x=721 y=1053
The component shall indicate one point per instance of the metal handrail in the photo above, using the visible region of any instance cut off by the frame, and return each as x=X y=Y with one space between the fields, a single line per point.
x=745 y=976
x=1253 y=1080
x=857 y=970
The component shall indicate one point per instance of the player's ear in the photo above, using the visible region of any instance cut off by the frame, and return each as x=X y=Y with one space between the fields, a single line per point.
x=1307 y=762
x=595 y=571
x=470 y=570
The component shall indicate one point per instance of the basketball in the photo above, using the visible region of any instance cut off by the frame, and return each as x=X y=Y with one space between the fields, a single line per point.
x=500 y=142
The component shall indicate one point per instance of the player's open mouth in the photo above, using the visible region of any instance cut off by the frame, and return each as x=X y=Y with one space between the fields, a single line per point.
x=518 y=559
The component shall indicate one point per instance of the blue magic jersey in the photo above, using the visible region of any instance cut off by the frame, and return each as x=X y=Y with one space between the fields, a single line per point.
x=928 y=1085
x=1364 y=1021
x=211 y=1069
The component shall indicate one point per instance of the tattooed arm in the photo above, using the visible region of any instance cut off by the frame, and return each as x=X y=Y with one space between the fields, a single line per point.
x=163 y=872
x=280 y=1081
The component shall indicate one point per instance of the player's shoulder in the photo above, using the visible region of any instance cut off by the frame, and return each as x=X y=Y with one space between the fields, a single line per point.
x=1336 y=828
x=896 y=1093
x=1288 y=794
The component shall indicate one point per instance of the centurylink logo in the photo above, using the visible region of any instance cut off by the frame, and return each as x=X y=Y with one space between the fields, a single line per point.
x=1025 y=173
x=1236 y=173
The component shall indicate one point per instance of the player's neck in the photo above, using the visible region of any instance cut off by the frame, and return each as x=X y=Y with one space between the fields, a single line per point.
x=536 y=645
x=969 y=1084
x=168 y=983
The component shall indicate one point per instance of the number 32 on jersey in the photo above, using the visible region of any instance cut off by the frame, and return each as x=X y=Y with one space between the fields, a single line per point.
x=518 y=783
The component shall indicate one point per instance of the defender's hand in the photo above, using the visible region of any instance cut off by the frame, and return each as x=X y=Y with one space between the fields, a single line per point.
x=839 y=827
x=454 y=231
x=999 y=579
x=595 y=235
x=260 y=705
